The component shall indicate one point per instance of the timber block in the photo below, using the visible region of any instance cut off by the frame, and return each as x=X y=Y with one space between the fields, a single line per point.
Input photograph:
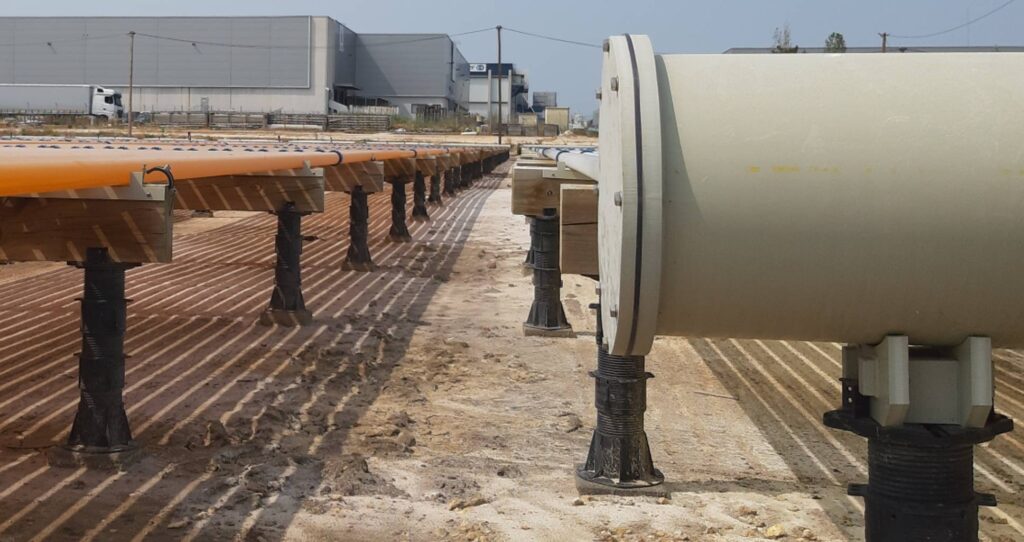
x=254 y=192
x=60 y=230
x=345 y=177
x=578 y=232
x=399 y=167
x=532 y=191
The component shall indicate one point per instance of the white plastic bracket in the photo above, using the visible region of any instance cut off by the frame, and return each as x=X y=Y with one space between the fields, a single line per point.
x=928 y=385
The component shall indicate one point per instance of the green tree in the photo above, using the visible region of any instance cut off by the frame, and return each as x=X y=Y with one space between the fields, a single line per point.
x=835 y=43
x=783 y=43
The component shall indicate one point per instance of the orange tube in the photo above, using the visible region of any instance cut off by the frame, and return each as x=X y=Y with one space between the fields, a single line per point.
x=33 y=169
x=44 y=166
x=28 y=170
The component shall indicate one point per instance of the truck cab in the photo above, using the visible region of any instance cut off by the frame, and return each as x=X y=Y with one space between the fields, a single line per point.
x=106 y=103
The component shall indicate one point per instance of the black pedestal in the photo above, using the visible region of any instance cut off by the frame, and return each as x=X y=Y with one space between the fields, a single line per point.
x=287 y=307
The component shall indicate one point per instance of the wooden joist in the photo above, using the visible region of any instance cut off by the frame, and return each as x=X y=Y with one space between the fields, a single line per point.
x=426 y=165
x=532 y=191
x=254 y=192
x=400 y=167
x=60 y=230
x=471 y=156
x=578 y=232
x=444 y=162
x=345 y=177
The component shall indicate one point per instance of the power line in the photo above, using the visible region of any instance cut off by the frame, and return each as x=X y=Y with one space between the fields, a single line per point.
x=552 y=38
x=957 y=27
x=488 y=29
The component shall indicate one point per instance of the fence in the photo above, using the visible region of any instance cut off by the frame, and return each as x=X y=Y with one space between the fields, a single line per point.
x=388 y=110
x=535 y=130
x=346 y=122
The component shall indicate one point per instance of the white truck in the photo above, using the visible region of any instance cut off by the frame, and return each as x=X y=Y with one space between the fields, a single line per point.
x=60 y=100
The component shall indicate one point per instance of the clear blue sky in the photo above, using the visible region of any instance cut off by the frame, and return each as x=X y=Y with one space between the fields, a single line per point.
x=675 y=26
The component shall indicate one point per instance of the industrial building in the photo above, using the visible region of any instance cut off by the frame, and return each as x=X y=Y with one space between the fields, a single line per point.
x=558 y=116
x=543 y=99
x=515 y=88
x=421 y=74
x=290 y=64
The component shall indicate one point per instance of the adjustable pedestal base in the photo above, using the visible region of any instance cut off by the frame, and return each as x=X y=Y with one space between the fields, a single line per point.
x=449 y=183
x=67 y=457
x=419 y=199
x=358 y=256
x=547 y=316
x=619 y=459
x=528 y=262
x=920 y=474
x=399 y=232
x=100 y=434
x=435 y=189
x=288 y=318
x=287 y=306
x=535 y=331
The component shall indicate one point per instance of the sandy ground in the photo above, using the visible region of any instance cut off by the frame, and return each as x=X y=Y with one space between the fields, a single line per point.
x=413 y=408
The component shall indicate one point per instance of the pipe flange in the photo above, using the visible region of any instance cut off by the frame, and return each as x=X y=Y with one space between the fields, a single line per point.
x=630 y=236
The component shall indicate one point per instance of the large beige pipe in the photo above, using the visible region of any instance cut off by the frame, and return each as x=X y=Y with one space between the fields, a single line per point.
x=833 y=197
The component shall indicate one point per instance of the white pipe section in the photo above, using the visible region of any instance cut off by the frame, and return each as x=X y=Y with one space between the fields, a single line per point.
x=583 y=161
x=829 y=197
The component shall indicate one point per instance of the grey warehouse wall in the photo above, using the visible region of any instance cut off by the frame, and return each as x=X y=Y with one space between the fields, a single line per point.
x=269 y=52
x=407 y=67
x=344 y=43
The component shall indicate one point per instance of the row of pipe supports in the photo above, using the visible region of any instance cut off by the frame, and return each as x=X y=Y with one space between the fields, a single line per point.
x=101 y=428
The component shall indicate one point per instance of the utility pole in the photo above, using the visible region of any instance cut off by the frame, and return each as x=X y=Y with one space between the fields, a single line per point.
x=885 y=41
x=490 y=100
x=499 y=28
x=131 y=78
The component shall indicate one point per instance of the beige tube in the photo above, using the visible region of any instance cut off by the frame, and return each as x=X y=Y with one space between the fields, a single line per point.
x=832 y=197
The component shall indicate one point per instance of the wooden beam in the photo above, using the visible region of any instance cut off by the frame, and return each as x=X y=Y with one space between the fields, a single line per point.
x=532 y=192
x=254 y=192
x=578 y=232
x=426 y=165
x=561 y=172
x=60 y=230
x=399 y=167
x=445 y=161
x=345 y=177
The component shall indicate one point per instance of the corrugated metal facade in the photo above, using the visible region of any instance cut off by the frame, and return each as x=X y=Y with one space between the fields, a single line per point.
x=269 y=52
x=344 y=43
x=412 y=69
x=252 y=64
